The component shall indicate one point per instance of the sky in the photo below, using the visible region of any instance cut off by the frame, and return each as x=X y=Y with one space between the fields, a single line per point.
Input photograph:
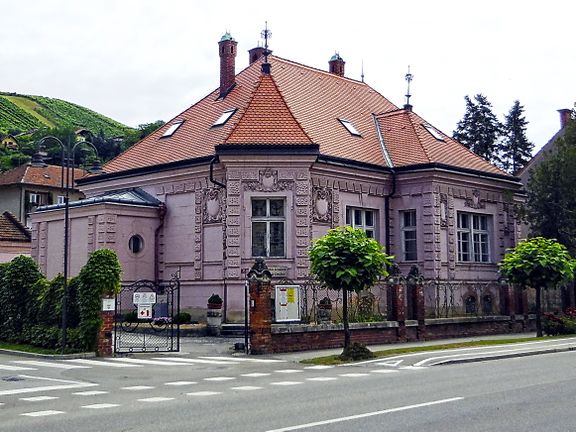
x=138 y=61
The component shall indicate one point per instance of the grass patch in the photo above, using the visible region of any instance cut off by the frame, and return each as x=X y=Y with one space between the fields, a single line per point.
x=336 y=360
x=33 y=349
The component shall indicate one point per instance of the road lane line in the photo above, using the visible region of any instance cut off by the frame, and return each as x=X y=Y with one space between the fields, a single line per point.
x=49 y=364
x=369 y=414
x=101 y=363
x=143 y=362
x=242 y=359
x=354 y=375
x=190 y=361
x=246 y=388
x=256 y=374
x=42 y=413
x=38 y=398
x=204 y=393
x=288 y=371
x=222 y=378
x=156 y=399
x=286 y=383
x=319 y=367
x=15 y=368
x=90 y=393
x=67 y=385
x=322 y=379
x=180 y=383
x=137 y=388
x=100 y=406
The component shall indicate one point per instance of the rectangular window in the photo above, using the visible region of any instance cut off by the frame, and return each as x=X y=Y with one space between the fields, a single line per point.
x=60 y=199
x=173 y=128
x=473 y=237
x=34 y=198
x=268 y=227
x=362 y=218
x=408 y=227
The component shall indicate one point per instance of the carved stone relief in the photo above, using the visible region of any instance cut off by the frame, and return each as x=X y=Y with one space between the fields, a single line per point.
x=268 y=182
x=475 y=202
x=322 y=199
x=443 y=210
x=212 y=206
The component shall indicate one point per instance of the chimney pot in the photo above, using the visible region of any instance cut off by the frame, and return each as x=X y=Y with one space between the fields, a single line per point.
x=565 y=114
x=336 y=65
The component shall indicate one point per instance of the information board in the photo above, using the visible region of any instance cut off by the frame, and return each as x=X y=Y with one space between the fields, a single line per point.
x=287 y=303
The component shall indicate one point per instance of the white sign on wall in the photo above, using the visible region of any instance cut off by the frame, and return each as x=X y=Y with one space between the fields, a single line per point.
x=144 y=298
x=144 y=311
x=108 y=305
x=287 y=303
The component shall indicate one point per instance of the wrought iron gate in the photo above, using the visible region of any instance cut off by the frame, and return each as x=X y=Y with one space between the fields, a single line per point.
x=145 y=315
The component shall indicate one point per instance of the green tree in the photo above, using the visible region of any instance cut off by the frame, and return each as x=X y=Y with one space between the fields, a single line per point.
x=539 y=263
x=479 y=129
x=515 y=150
x=346 y=259
x=551 y=205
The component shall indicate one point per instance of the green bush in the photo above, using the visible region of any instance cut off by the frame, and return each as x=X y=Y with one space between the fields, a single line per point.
x=182 y=318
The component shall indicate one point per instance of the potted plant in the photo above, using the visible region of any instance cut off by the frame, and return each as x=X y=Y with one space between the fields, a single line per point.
x=215 y=302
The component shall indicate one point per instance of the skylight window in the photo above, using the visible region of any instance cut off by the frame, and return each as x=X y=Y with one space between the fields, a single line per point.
x=173 y=128
x=350 y=127
x=433 y=131
x=224 y=117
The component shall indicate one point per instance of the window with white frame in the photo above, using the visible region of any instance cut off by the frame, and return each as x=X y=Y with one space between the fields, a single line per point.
x=362 y=218
x=34 y=198
x=408 y=227
x=268 y=227
x=60 y=199
x=473 y=237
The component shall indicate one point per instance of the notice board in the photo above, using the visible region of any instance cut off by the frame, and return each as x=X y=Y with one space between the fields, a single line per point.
x=287 y=303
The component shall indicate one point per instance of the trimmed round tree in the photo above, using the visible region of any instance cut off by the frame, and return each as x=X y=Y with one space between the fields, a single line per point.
x=346 y=259
x=539 y=263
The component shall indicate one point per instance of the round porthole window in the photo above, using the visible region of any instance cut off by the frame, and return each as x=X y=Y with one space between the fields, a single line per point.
x=136 y=244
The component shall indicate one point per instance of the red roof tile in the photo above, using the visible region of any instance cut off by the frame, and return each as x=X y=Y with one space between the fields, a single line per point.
x=267 y=119
x=50 y=175
x=298 y=104
x=12 y=230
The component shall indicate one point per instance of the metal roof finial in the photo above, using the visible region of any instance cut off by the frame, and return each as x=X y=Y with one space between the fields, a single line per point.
x=266 y=34
x=408 y=77
x=362 y=73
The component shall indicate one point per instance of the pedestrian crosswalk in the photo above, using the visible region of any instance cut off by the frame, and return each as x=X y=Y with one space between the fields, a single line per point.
x=128 y=362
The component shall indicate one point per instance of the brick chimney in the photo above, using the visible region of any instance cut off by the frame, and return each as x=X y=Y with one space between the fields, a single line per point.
x=256 y=54
x=565 y=114
x=227 y=47
x=336 y=65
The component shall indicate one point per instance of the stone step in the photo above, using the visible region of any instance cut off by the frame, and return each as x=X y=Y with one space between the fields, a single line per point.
x=232 y=329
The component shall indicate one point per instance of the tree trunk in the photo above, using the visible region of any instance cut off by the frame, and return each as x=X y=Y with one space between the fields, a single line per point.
x=538 y=312
x=345 y=320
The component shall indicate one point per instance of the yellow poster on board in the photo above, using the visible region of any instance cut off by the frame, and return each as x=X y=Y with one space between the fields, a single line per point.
x=291 y=295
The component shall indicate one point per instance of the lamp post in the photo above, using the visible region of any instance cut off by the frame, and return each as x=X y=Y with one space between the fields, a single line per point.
x=67 y=182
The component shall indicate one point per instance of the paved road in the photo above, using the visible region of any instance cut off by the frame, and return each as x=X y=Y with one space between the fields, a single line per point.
x=224 y=393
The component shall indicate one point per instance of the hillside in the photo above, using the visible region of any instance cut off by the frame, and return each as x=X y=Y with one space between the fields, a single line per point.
x=25 y=112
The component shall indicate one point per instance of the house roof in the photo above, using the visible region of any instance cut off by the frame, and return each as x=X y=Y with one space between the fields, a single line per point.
x=132 y=196
x=12 y=230
x=49 y=176
x=296 y=105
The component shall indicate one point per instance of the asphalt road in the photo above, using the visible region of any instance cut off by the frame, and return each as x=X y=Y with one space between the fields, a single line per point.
x=174 y=393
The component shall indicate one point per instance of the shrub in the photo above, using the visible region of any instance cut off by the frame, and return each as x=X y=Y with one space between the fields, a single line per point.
x=215 y=299
x=554 y=325
x=355 y=352
x=182 y=318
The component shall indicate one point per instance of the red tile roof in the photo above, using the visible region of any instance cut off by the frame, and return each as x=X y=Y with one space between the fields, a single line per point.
x=12 y=230
x=50 y=176
x=298 y=104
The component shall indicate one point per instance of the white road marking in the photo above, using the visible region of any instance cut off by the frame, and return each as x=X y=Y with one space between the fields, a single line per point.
x=146 y=362
x=354 y=375
x=101 y=363
x=222 y=378
x=286 y=383
x=389 y=363
x=39 y=398
x=384 y=371
x=42 y=413
x=288 y=371
x=412 y=367
x=49 y=364
x=90 y=393
x=246 y=388
x=364 y=415
x=322 y=379
x=100 y=406
x=15 y=368
x=67 y=385
x=137 y=388
x=244 y=359
x=256 y=374
x=156 y=399
x=178 y=360
x=204 y=393
x=319 y=367
x=180 y=383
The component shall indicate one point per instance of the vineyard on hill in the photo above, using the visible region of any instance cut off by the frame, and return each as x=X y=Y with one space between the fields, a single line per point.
x=22 y=113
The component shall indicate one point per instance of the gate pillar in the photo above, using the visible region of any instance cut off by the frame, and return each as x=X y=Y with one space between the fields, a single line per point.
x=104 y=343
x=260 y=287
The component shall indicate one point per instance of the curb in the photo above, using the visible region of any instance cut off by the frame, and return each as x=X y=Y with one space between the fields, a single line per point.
x=503 y=356
x=48 y=356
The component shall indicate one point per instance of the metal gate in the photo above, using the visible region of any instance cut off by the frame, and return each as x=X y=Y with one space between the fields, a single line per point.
x=145 y=315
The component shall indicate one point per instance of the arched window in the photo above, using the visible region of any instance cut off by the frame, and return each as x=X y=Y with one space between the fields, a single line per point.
x=136 y=244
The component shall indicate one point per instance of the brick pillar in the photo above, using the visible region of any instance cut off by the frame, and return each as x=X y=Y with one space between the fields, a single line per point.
x=260 y=287
x=396 y=306
x=420 y=310
x=104 y=343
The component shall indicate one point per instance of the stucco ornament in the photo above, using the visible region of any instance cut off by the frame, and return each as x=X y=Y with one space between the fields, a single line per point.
x=212 y=206
x=268 y=182
x=443 y=210
x=475 y=202
x=322 y=204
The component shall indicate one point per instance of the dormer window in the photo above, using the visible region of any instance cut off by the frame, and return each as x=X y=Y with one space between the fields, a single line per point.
x=226 y=115
x=349 y=127
x=173 y=128
x=432 y=130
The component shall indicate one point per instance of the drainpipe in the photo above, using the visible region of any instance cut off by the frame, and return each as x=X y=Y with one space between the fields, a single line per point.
x=387 y=210
x=161 y=215
x=224 y=254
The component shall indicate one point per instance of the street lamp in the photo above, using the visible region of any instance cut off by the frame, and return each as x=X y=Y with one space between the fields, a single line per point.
x=67 y=182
